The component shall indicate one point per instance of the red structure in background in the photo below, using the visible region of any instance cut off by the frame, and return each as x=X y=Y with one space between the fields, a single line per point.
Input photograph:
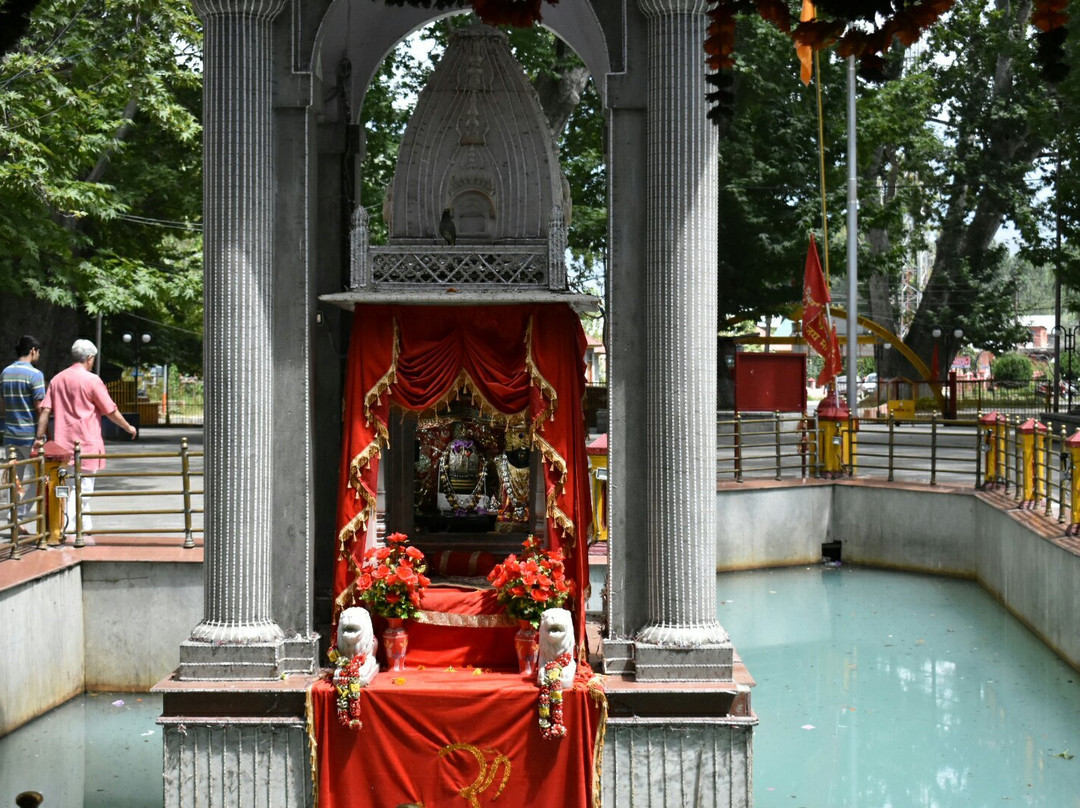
x=767 y=382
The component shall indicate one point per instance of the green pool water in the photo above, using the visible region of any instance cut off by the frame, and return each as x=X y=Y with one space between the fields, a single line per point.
x=874 y=690
x=99 y=750
x=890 y=690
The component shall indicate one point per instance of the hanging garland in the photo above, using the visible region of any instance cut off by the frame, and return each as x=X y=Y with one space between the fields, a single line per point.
x=865 y=29
x=346 y=679
x=551 y=699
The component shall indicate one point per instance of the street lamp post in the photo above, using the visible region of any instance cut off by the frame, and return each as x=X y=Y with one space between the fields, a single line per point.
x=142 y=340
x=935 y=368
x=1064 y=338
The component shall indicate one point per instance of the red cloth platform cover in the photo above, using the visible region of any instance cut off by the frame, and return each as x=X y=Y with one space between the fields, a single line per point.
x=513 y=359
x=454 y=738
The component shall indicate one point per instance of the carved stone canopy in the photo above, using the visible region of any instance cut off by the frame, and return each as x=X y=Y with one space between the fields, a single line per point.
x=478 y=203
x=478 y=143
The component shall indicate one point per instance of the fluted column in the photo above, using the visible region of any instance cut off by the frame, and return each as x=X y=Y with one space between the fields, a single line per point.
x=681 y=322
x=238 y=341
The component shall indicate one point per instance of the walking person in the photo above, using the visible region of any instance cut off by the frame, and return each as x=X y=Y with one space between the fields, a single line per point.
x=77 y=398
x=23 y=390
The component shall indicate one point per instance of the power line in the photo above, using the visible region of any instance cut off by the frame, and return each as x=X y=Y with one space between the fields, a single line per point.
x=167 y=223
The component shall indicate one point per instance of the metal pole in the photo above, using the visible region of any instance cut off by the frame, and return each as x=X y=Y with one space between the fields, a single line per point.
x=852 y=249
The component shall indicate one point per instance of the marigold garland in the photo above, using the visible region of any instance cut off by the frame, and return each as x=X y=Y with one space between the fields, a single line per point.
x=346 y=679
x=551 y=699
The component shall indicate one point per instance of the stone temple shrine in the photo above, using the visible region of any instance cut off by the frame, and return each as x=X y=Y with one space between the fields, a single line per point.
x=435 y=382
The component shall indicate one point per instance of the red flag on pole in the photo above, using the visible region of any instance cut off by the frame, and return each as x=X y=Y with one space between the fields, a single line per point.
x=819 y=332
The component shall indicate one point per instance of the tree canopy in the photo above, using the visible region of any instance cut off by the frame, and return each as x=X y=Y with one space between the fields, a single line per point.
x=100 y=166
x=948 y=148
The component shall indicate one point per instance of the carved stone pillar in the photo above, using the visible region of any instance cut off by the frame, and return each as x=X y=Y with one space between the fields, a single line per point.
x=237 y=639
x=682 y=638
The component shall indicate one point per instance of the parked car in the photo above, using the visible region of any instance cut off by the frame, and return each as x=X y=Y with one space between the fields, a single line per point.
x=869 y=384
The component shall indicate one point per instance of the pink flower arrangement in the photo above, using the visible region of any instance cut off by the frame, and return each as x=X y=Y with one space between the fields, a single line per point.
x=531 y=584
x=392 y=578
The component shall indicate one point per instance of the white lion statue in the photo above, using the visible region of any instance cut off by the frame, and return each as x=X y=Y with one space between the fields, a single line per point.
x=556 y=637
x=355 y=636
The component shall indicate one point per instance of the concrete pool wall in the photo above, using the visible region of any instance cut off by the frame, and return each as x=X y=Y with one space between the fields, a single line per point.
x=99 y=619
x=1019 y=556
x=113 y=618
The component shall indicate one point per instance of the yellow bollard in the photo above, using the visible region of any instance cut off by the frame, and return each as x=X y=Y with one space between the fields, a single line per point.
x=598 y=473
x=993 y=427
x=1033 y=449
x=836 y=437
x=1072 y=443
x=56 y=477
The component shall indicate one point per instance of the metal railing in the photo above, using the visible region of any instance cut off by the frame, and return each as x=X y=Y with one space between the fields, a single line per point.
x=180 y=499
x=931 y=452
x=20 y=534
x=777 y=446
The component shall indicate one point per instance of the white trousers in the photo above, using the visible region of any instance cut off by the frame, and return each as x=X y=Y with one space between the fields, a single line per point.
x=69 y=511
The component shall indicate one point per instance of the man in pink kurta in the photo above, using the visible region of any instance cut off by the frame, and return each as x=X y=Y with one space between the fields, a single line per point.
x=77 y=398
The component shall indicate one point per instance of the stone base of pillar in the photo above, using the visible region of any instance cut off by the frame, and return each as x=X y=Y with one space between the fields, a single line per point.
x=219 y=661
x=666 y=663
x=229 y=744
x=701 y=734
x=300 y=654
x=618 y=656
x=704 y=763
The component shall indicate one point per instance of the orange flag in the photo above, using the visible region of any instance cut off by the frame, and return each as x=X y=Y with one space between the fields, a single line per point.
x=804 y=52
x=818 y=332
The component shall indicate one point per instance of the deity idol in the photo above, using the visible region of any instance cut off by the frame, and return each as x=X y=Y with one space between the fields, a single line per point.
x=513 y=469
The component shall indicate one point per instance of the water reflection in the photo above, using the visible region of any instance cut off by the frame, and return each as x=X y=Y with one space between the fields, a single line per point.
x=96 y=751
x=888 y=689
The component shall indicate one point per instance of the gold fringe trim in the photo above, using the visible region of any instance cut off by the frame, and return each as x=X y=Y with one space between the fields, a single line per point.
x=464 y=620
x=537 y=378
x=464 y=383
x=313 y=746
x=372 y=397
x=596 y=690
x=554 y=512
x=356 y=469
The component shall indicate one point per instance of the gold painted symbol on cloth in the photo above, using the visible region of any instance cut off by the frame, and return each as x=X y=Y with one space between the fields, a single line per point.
x=487 y=773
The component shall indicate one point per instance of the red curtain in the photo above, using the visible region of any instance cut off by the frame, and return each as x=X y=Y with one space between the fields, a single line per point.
x=513 y=359
x=455 y=737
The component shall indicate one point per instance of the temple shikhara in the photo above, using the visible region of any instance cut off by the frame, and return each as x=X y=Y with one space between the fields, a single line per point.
x=397 y=480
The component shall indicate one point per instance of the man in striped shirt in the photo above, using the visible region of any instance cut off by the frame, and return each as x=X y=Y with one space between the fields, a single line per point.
x=23 y=391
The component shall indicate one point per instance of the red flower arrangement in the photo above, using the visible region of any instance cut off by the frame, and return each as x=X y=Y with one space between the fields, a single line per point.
x=529 y=585
x=392 y=578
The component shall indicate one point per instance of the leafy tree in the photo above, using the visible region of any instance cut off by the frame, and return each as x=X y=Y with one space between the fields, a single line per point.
x=1012 y=367
x=100 y=169
x=770 y=195
x=946 y=150
x=999 y=120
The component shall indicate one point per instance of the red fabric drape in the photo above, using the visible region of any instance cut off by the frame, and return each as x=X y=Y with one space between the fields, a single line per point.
x=427 y=736
x=513 y=358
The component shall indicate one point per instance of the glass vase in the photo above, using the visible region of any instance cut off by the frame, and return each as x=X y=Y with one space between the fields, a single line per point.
x=527 y=645
x=395 y=642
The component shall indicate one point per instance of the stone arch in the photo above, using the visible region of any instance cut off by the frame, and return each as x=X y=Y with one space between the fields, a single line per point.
x=367 y=32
